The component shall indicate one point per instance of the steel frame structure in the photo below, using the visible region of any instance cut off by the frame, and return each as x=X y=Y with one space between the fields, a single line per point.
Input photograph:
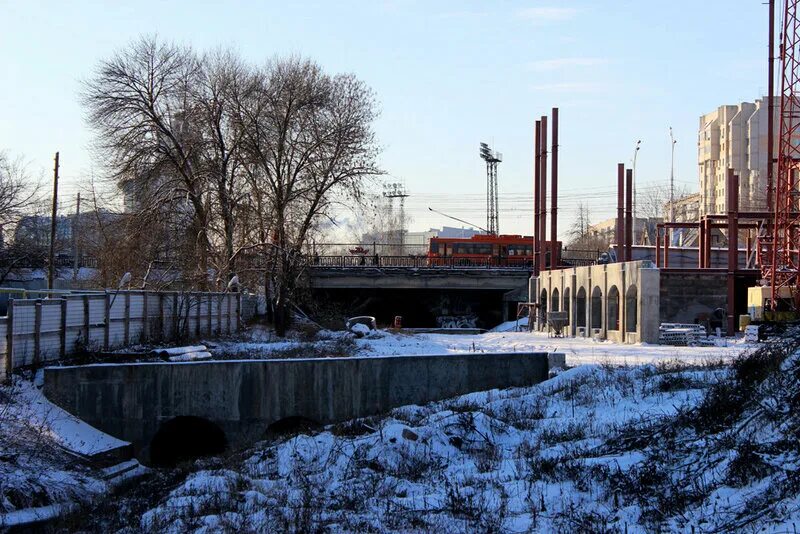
x=492 y=158
x=781 y=267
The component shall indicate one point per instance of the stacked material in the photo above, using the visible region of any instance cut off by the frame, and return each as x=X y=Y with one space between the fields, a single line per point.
x=183 y=354
x=681 y=334
x=751 y=333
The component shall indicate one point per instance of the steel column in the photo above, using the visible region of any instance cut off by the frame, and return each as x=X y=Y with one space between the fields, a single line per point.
x=537 y=202
x=628 y=215
x=543 y=195
x=620 y=227
x=554 y=196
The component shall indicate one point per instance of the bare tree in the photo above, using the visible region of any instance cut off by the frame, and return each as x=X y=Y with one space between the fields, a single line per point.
x=580 y=235
x=653 y=202
x=161 y=118
x=309 y=139
x=18 y=190
x=19 y=195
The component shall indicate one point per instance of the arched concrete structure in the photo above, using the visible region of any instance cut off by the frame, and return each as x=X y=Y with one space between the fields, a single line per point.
x=584 y=282
x=567 y=305
x=555 y=303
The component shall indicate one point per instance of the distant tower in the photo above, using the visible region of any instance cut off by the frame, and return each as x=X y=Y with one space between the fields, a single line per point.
x=491 y=158
x=397 y=230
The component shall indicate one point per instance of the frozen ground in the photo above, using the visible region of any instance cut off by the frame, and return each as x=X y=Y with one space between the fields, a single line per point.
x=261 y=344
x=45 y=458
x=665 y=446
x=577 y=350
x=39 y=466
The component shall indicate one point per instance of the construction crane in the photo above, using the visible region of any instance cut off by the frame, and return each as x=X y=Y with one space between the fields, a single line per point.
x=780 y=261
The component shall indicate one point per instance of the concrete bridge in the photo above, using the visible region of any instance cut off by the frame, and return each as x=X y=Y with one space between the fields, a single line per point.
x=165 y=409
x=423 y=294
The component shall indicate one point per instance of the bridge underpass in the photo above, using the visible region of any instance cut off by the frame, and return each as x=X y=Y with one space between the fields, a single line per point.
x=424 y=297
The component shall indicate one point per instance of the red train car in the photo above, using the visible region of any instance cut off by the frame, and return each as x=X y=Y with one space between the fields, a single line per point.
x=502 y=250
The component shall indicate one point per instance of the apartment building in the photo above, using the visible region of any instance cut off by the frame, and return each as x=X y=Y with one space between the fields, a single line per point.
x=734 y=136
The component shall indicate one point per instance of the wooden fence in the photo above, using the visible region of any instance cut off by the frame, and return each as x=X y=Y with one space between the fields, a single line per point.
x=37 y=331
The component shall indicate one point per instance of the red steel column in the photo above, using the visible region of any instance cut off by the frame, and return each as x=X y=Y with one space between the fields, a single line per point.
x=658 y=245
x=666 y=248
x=701 y=246
x=628 y=215
x=733 y=247
x=543 y=195
x=554 y=196
x=537 y=202
x=709 y=230
x=620 y=228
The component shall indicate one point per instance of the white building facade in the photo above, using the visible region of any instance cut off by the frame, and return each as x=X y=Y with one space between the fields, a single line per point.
x=735 y=137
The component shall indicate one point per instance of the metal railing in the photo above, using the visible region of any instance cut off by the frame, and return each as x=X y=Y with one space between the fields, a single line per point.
x=418 y=262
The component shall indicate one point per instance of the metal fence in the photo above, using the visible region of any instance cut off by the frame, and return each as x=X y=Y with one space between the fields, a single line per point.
x=418 y=262
x=37 y=331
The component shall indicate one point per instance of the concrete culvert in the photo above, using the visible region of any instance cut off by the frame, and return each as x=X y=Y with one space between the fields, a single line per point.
x=186 y=438
x=292 y=425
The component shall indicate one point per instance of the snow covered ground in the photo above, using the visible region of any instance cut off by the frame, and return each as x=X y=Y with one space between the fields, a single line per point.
x=578 y=350
x=43 y=451
x=261 y=344
x=599 y=448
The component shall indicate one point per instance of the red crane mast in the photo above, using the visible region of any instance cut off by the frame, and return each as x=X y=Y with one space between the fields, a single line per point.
x=781 y=264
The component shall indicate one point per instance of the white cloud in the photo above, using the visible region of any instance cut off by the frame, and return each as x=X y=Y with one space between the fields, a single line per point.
x=540 y=15
x=566 y=62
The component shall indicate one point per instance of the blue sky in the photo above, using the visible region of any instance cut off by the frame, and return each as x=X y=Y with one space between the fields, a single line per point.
x=448 y=75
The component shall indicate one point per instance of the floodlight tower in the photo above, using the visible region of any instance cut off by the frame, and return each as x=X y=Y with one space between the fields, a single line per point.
x=391 y=192
x=492 y=158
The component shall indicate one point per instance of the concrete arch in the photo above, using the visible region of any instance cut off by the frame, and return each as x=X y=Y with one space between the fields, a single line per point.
x=555 y=302
x=186 y=437
x=612 y=308
x=567 y=304
x=580 y=308
x=543 y=305
x=632 y=309
x=597 y=308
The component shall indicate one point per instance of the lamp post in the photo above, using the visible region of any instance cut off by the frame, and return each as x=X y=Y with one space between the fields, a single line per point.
x=635 y=153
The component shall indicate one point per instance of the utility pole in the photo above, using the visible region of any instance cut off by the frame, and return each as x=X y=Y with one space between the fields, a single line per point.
x=75 y=224
x=672 y=178
x=51 y=271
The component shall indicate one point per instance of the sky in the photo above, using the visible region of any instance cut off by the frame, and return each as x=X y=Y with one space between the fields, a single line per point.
x=447 y=74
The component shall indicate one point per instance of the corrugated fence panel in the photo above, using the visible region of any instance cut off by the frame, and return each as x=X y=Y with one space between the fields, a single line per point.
x=167 y=314
x=3 y=348
x=23 y=325
x=97 y=319
x=137 y=322
x=50 y=335
x=116 y=327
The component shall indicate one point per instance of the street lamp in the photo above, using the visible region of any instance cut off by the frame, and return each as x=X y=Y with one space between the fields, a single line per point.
x=635 y=153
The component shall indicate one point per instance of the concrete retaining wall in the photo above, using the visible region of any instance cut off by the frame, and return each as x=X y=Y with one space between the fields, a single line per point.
x=131 y=401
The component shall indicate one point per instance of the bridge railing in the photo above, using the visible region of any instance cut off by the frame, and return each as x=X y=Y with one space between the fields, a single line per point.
x=418 y=262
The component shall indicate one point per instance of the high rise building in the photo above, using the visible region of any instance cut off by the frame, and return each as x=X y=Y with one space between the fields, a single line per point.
x=734 y=137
